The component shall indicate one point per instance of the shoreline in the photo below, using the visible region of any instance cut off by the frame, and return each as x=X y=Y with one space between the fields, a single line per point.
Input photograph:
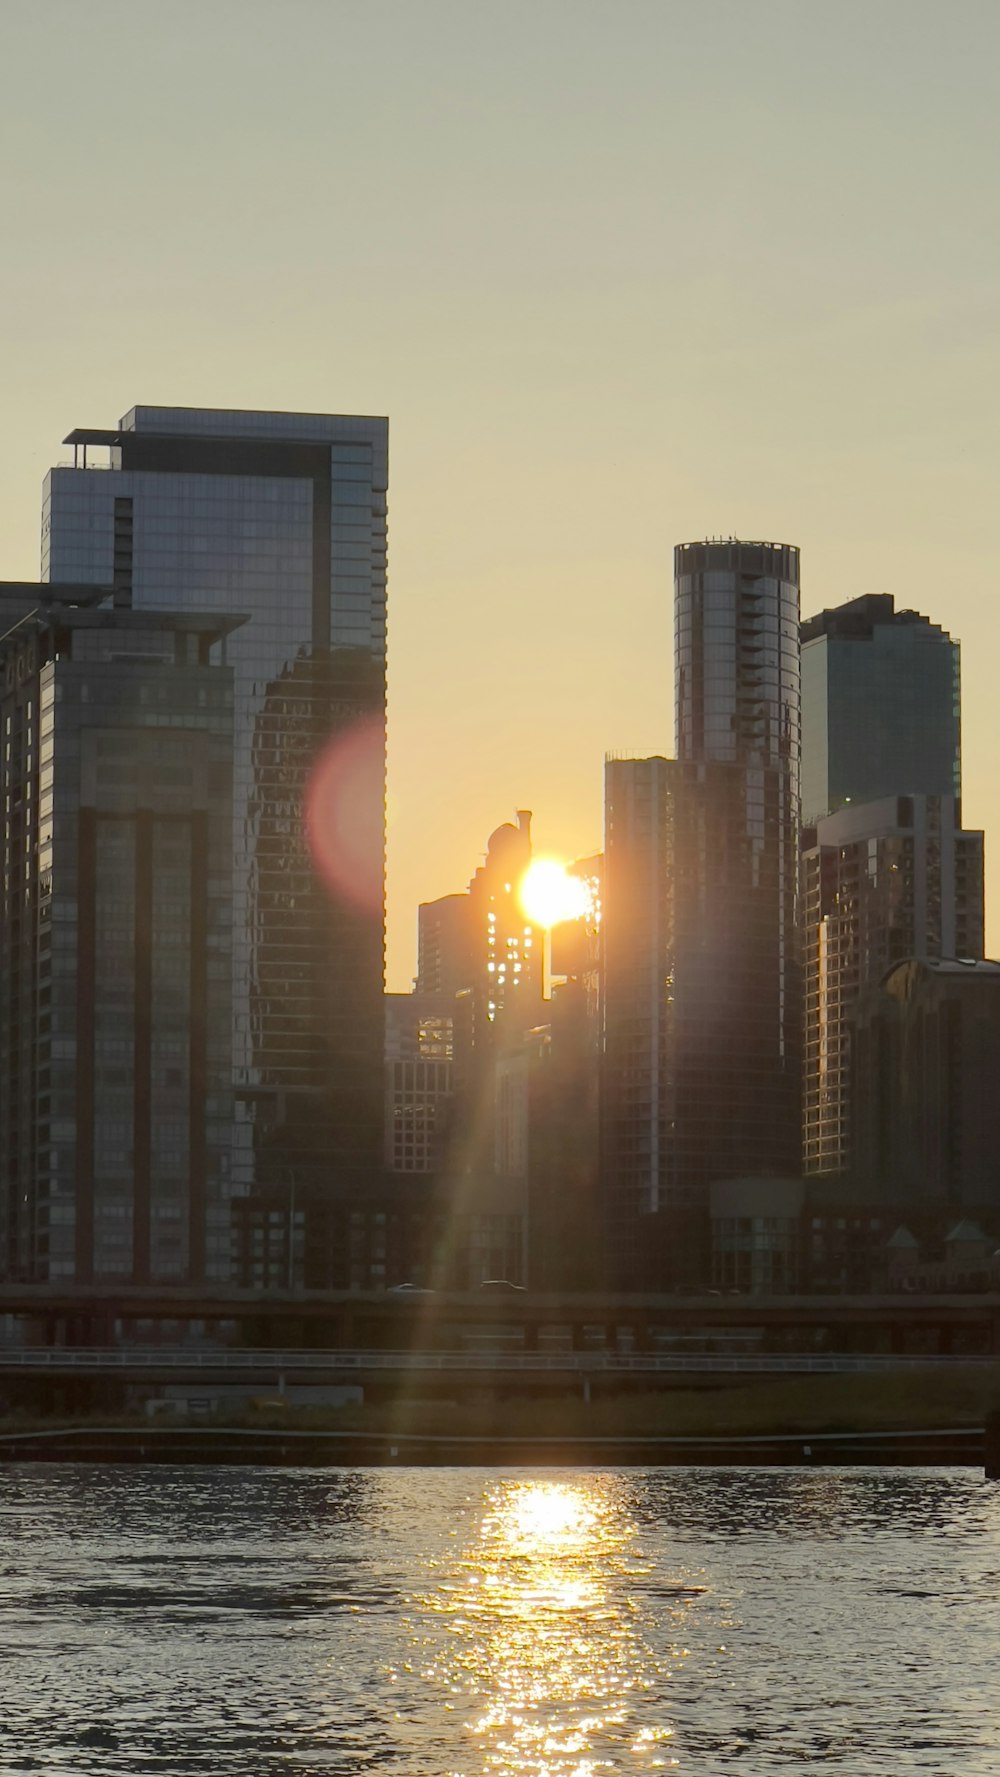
x=950 y=1446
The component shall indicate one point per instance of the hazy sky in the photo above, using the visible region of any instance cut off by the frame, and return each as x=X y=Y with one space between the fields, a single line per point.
x=621 y=274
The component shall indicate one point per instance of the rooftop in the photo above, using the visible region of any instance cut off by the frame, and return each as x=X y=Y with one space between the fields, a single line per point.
x=858 y=619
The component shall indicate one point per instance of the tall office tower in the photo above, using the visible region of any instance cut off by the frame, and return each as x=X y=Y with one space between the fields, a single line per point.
x=281 y=517
x=882 y=882
x=115 y=942
x=702 y=979
x=880 y=707
x=737 y=858
x=737 y=716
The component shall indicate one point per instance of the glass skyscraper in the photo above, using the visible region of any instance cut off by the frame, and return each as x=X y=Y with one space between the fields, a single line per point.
x=115 y=942
x=888 y=871
x=279 y=518
x=881 y=707
x=736 y=612
x=702 y=985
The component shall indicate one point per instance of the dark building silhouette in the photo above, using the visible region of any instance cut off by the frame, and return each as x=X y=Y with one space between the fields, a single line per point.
x=481 y=964
x=882 y=881
x=547 y=1144
x=419 y=1040
x=481 y=941
x=115 y=932
x=926 y=1061
x=702 y=975
x=881 y=694
x=449 y=953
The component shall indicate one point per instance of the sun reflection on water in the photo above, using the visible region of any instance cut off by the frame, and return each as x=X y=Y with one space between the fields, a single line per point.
x=536 y=1639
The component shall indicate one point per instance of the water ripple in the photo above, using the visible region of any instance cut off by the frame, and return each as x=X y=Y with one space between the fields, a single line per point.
x=484 y=1623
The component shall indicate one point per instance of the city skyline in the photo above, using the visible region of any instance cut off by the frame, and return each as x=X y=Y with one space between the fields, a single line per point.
x=765 y=307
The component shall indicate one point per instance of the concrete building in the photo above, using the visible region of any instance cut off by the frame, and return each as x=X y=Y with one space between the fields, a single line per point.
x=882 y=881
x=115 y=942
x=881 y=695
x=281 y=517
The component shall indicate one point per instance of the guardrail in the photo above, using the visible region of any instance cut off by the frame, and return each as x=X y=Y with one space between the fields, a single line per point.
x=182 y=1361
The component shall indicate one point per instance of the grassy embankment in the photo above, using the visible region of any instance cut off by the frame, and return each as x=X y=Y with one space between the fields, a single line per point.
x=904 y=1401
x=911 y=1400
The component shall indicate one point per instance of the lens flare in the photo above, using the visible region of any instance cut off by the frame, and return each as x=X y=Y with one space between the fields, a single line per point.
x=345 y=813
x=549 y=894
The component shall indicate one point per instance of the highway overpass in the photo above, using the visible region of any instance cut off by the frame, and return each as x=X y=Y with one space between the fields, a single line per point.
x=503 y=1321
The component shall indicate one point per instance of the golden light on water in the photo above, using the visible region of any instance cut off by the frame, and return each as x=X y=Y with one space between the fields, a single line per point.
x=537 y=1638
x=547 y=1515
x=549 y=893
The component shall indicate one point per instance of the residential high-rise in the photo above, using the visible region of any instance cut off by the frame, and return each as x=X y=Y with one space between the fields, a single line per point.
x=738 y=736
x=448 y=955
x=880 y=707
x=702 y=977
x=115 y=941
x=281 y=517
x=882 y=882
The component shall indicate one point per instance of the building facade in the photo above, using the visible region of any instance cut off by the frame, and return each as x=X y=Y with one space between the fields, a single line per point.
x=702 y=976
x=926 y=1063
x=116 y=945
x=638 y=960
x=280 y=517
x=881 y=715
x=882 y=881
x=419 y=1041
x=737 y=854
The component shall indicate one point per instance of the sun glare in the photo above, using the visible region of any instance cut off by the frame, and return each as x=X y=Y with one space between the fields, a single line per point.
x=549 y=894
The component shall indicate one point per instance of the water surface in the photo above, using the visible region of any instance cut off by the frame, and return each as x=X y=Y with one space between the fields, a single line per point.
x=452 y=1623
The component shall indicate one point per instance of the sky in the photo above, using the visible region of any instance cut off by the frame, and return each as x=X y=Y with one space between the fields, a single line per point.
x=621 y=273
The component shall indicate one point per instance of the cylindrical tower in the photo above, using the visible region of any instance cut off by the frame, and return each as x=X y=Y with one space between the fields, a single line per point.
x=737 y=1012
x=736 y=654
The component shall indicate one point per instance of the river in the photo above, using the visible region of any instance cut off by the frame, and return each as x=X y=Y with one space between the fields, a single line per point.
x=483 y=1622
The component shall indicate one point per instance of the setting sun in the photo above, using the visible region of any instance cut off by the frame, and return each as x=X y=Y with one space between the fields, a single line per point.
x=549 y=894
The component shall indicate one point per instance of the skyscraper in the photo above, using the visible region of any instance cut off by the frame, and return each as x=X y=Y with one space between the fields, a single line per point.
x=280 y=517
x=115 y=942
x=638 y=1123
x=702 y=978
x=883 y=882
x=888 y=872
x=737 y=853
x=880 y=707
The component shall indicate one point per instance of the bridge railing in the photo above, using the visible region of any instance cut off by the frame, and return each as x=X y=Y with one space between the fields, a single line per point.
x=184 y=1361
